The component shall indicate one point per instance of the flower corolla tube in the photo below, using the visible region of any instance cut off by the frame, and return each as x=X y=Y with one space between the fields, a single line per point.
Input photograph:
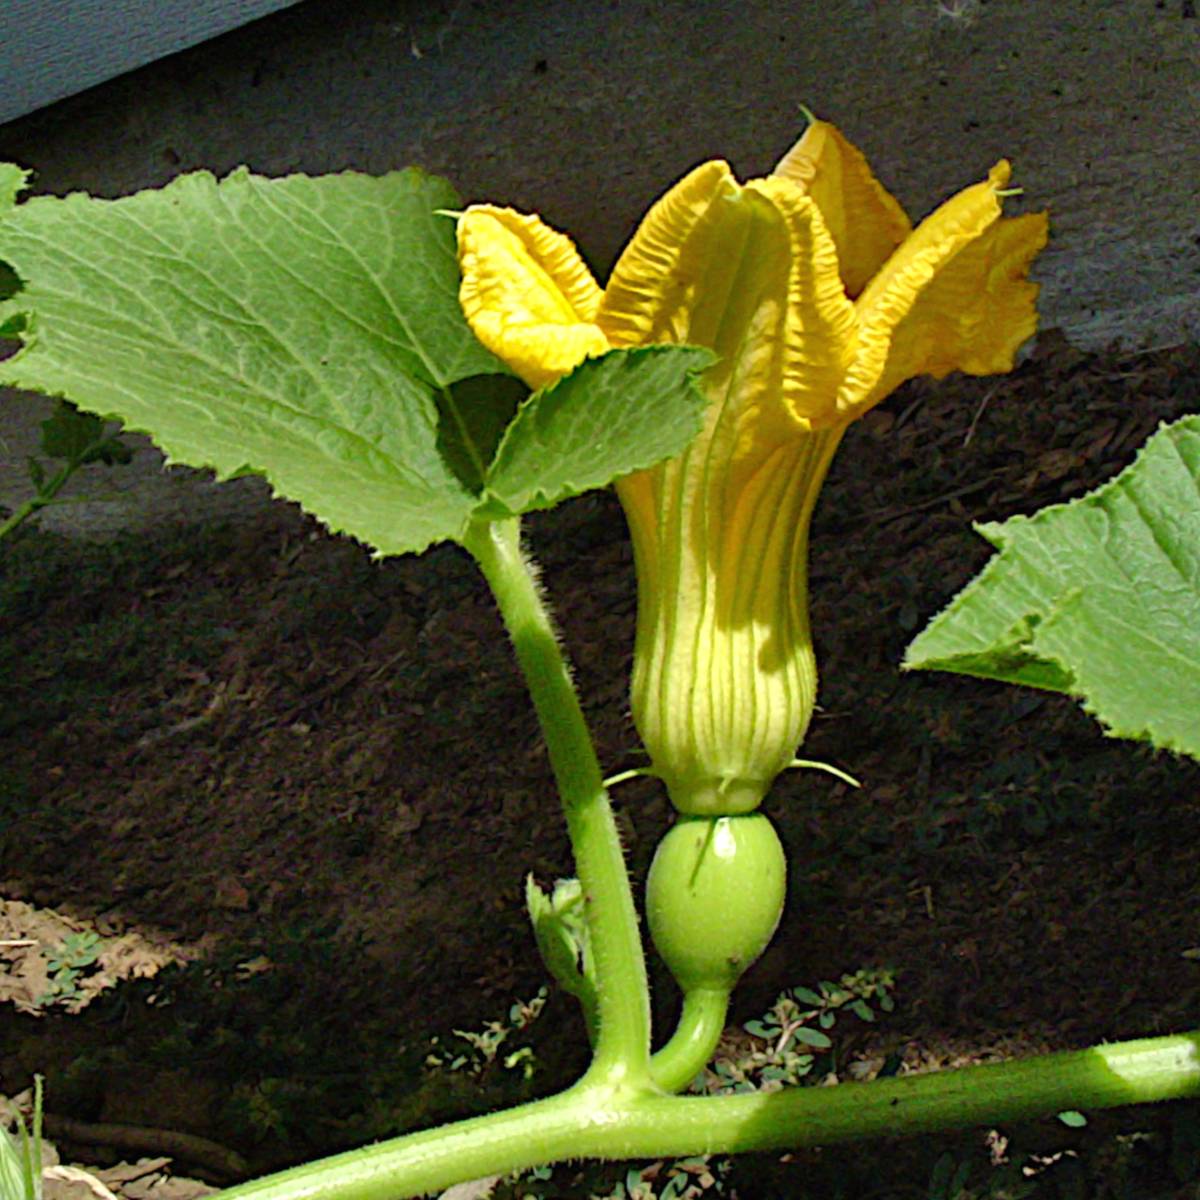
x=820 y=298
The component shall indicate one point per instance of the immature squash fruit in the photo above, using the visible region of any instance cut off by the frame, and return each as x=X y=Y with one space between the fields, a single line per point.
x=714 y=897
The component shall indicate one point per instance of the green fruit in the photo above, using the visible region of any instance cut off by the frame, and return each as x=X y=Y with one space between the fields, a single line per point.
x=714 y=897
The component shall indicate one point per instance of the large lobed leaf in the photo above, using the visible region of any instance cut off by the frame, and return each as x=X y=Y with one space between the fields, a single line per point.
x=295 y=327
x=1099 y=598
x=305 y=329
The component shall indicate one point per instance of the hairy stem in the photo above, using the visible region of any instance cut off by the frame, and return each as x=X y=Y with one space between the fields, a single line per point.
x=604 y=1121
x=623 y=1000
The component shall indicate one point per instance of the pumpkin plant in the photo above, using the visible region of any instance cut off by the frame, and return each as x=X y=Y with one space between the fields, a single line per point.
x=412 y=371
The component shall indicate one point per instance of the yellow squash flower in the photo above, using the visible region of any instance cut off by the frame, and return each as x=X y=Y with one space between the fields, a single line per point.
x=819 y=298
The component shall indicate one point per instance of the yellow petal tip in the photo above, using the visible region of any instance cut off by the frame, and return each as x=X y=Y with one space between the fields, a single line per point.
x=526 y=293
x=1000 y=174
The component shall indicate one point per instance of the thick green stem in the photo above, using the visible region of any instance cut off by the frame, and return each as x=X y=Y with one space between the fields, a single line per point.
x=435 y=1158
x=694 y=1040
x=1105 y=1076
x=623 y=1003
x=600 y=1121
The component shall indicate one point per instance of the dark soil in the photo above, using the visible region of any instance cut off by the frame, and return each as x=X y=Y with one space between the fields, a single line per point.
x=326 y=770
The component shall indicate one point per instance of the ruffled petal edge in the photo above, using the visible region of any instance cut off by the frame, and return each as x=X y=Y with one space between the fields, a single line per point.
x=863 y=217
x=954 y=296
x=657 y=269
x=526 y=293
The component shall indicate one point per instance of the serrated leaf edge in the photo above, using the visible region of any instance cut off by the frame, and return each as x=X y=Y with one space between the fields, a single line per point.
x=1005 y=536
x=493 y=506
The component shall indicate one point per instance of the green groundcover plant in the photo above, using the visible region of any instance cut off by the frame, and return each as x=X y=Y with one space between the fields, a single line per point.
x=411 y=372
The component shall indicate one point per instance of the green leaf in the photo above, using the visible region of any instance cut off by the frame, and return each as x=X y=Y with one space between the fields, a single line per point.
x=1073 y=1119
x=862 y=1010
x=1099 y=598
x=807 y=996
x=309 y=330
x=12 y=182
x=811 y=1037
x=301 y=328
x=69 y=433
x=472 y=417
x=618 y=413
x=559 y=950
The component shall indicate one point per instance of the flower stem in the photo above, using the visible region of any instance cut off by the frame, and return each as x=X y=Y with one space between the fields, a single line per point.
x=695 y=1038
x=623 y=1001
x=598 y=1120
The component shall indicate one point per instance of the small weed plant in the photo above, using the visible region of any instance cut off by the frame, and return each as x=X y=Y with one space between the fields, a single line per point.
x=73 y=440
x=68 y=964
x=477 y=1053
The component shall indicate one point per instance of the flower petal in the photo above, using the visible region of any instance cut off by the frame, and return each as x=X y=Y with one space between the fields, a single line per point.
x=724 y=674
x=819 y=322
x=668 y=266
x=866 y=221
x=709 y=266
x=751 y=272
x=954 y=297
x=526 y=293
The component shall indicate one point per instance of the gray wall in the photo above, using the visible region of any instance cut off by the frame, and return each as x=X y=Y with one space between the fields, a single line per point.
x=586 y=112
x=54 y=48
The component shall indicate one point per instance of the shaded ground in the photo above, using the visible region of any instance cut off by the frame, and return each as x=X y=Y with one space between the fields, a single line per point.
x=324 y=772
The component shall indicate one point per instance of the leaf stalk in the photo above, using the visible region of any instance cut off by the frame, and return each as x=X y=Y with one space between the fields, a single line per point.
x=623 y=1003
